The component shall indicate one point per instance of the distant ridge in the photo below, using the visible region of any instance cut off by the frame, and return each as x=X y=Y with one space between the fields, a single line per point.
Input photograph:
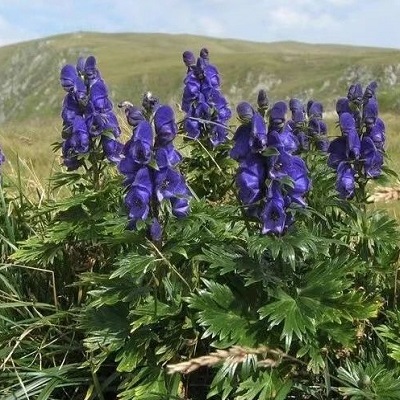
x=132 y=63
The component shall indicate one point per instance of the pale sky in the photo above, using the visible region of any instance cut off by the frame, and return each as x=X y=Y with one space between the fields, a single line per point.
x=358 y=22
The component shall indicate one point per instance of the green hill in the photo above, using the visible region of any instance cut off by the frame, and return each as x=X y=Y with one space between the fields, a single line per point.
x=134 y=63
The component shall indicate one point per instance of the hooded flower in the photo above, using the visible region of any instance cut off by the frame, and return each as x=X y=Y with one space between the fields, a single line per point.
x=165 y=125
x=180 y=207
x=139 y=148
x=345 y=181
x=377 y=134
x=91 y=72
x=250 y=181
x=68 y=77
x=169 y=183
x=370 y=92
x=301 y=183
x=372 y=157
x=241 y=138
x=245 y=112
x=370 y=112
x=277 y=116
x=273 y=216
x=258 y=133
x=348 y=128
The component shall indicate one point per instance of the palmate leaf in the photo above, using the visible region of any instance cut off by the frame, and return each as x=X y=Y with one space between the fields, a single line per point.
x=296 y=317
x=222 y=314
x=315 y=304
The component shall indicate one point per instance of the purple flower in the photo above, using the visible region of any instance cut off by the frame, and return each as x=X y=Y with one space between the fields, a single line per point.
x=139 y=149
x=165 y=125
x=286 y=139
x=80 y=66
x=167 y=156
x=370 y=112
x=98 y=96
x=373 y=158
x=345 y=181
x=112 y=149
x=277 y=116
x=169 y=183
x=241 y=138
x=245 y=112
x=298 y=172
x=316 y=110
x=273 y=215
x=81 y=135
x=370 y=92
x=70 y=109
x=133 y=115
x=250 y=182
x=377 y=134
x=295 y=105
x=137 y=201
x=355 y=94
x=258 y=135
x=188 y=59
x=180 y=207
x=68 y=77
x=191 y=91
x=91 y=72
x=279 y=165
x=342 y=106
x=348 y=128
x=318 y=129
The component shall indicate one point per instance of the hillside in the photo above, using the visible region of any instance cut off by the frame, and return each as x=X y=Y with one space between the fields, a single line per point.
x=134 y=63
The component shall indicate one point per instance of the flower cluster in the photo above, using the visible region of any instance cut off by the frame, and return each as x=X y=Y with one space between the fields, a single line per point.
x=358 y=152
x=308 y=125
x=87 y=113
x=270 y=179
x=207 y=110
x=149 y=161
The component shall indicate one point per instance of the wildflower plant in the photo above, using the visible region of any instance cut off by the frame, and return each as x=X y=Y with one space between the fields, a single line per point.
x=357 y=155
x=149 y=165
x=90 y=127
x=270 y=179
x=205 y=123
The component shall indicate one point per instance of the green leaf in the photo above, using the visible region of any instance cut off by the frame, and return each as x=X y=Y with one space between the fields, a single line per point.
x=292 y=313
x=223 y=315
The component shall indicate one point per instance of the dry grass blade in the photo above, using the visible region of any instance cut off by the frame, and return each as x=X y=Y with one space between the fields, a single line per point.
x=233 y=355
x=385 y=194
